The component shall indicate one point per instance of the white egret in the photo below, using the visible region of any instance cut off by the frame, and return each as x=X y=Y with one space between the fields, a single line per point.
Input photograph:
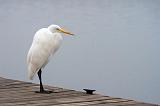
x=45 y=43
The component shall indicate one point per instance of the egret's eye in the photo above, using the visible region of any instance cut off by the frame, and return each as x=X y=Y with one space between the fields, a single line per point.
x=57 y=29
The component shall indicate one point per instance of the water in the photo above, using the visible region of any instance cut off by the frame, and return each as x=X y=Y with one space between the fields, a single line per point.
x=116 y=50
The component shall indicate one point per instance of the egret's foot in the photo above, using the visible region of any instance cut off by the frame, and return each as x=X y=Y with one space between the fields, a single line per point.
x=44 y=92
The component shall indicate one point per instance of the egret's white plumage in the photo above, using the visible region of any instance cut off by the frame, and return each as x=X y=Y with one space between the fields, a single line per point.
x=45 y=43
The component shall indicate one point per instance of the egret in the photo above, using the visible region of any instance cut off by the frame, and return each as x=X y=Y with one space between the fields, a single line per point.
x=45 y=43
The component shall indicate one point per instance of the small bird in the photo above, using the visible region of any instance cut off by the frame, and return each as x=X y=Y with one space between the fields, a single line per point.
x=45 y=43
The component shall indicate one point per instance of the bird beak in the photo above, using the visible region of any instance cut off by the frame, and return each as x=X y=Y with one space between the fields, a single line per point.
x=66 y=32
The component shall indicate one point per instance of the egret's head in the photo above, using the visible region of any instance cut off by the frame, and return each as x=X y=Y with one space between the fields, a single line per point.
x=56 y=28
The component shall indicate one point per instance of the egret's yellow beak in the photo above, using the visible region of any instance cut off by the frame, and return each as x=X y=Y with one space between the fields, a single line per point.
x=66 y=32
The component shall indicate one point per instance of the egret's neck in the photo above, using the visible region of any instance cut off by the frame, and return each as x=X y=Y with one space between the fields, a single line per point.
x=51 y=29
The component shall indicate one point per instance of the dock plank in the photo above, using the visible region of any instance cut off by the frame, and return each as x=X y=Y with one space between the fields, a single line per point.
x=20 y=93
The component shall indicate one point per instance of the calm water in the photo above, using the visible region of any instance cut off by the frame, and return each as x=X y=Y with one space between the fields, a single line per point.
x=116 y=50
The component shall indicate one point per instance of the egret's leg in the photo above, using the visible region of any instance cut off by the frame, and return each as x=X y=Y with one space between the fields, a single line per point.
x=40 y=79
x=41 y=85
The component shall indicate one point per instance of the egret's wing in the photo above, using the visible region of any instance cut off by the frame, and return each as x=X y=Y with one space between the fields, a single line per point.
x=37 y=58
x=38 y=55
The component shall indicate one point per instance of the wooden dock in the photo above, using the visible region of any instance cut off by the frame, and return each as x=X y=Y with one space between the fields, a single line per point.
x=20 y=93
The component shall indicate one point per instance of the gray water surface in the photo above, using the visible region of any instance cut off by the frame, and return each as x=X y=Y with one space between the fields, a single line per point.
x=115 y=50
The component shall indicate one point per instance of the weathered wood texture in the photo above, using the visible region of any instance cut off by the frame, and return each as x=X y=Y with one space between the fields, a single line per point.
x=19 y=93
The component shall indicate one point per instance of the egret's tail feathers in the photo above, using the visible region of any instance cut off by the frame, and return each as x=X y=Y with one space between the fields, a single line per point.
x=31 y=72
x=30 y=76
